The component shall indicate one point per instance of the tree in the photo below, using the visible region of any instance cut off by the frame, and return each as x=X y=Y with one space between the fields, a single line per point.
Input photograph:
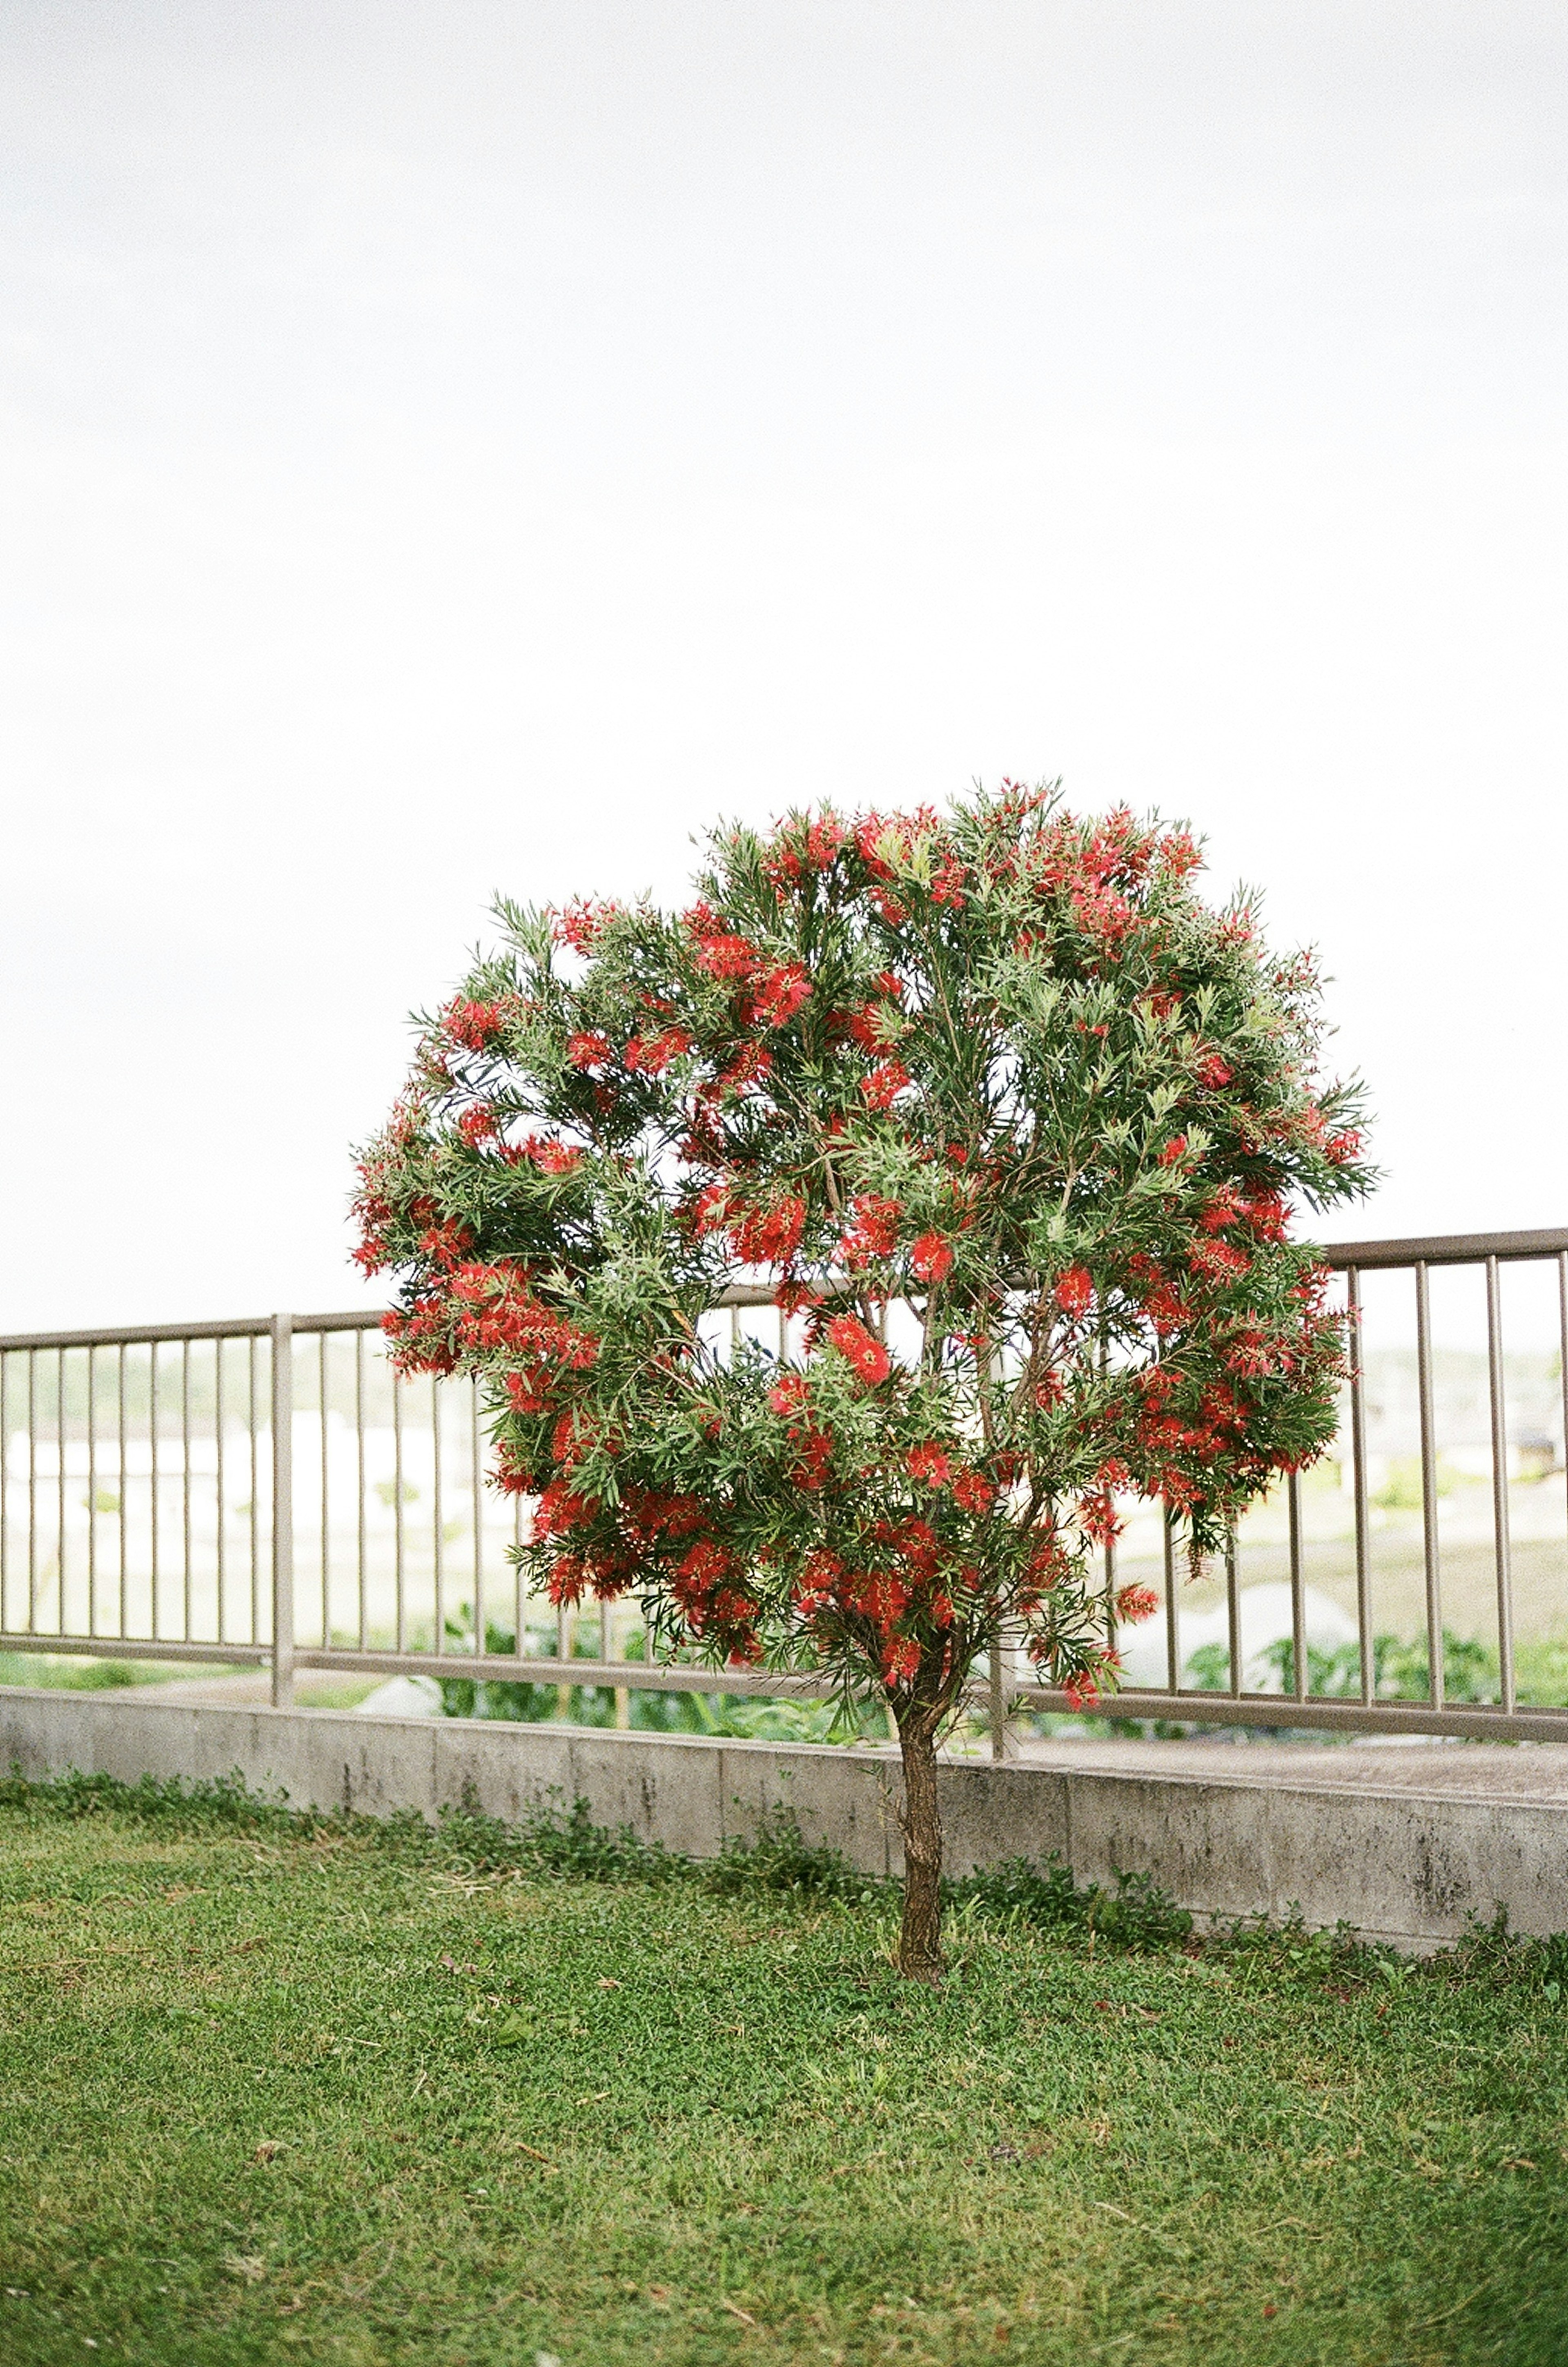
x=1005 y=1116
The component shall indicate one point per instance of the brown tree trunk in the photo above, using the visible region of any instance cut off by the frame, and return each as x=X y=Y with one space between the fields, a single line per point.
x=919 y=1943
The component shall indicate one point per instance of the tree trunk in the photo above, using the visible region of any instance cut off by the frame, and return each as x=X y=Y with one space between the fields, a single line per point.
x=919 y=1945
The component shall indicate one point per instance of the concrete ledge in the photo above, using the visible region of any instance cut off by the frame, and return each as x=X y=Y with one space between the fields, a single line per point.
x=1402 y=1844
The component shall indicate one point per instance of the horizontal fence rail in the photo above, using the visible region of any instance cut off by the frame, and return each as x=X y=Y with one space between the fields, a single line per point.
x=268 y=1492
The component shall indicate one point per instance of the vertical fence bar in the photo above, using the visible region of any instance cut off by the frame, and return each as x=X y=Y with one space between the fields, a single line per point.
x=220 y=1503
x=1500 y=1484
x=1436 y=1673
x=1108 y=1565
x=254 y=1362
x=402 y=1625
x=520 y=1589
x=60 y=1487
x=1172 y=1611
x=476 y=1481
x=326 y=1530
x=152 y=1477
x=1358 y=1475
x=92 y=1491
x=1232 y=1612
x=1561 y=1349
x=998 y=1707
x=438 y=1558
x=124 y=1491
x=5 y=1490
x=282 y=1511
x=32 y=1491
x=1298 y=1590
x=362 y=1576
x=185 y=1477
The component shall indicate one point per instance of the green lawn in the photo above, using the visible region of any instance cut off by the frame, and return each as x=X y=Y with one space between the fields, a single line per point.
x=276 y=2091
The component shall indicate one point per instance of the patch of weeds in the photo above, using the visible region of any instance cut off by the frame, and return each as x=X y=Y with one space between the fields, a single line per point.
x=779 y=1857
x=553 y=1839
x=1044 y=1897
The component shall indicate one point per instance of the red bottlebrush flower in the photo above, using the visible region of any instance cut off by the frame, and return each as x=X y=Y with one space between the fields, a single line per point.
x=478 y=1125
x=1225 y=1208
x=726 y=957
x=885 y=1083
x=582 y=924
x=789 y=1394
x=1082 y=1690
x=589 y=1049
x=929 y=1465
x=651 y=1055
x=781 y=994
x=873 y=1231
x=931 y=1257
x=768 y=1236
x=815 y=1466
x=550 y=1156
x=1175 y=1150
x=1340 y=1148
x=947 y=886
x=1075 y=1291
x=823 y=840
x=748 y=1067
x=901 y=1660
x=867 y=1355
x=1214 y=1072
x=472 y=1026
x=973 y=1491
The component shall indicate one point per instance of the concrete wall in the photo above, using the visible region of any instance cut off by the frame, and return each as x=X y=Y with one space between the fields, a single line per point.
x=1226 y=1832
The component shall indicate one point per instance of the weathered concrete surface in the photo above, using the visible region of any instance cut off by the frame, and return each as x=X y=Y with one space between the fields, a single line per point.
x=1403 y=1843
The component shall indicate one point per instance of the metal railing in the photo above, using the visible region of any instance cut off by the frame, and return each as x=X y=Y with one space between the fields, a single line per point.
x=268 y=1492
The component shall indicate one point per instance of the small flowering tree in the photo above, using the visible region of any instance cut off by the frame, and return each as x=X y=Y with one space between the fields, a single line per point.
x=1000 y=1074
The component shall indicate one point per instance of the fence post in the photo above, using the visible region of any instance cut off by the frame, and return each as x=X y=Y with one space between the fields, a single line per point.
x=282 y=1511
x=997 y=1672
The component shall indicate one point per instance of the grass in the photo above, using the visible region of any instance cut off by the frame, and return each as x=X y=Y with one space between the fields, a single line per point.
x=277 y=2087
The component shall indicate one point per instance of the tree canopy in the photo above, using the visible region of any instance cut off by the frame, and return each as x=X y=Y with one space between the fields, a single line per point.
x=1001 y=1113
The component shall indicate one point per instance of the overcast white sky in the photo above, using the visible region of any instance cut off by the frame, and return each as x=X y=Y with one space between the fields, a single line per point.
x=460 y=447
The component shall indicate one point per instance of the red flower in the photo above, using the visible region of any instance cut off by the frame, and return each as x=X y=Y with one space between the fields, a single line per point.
x=885 y=1083
x=1136 y=1603
x=768 y=1236
x=931 y=1257
x=929 y=1465
x=726 y=956
x=1175 y=1149
x=550 y=1158
x=1074 y=1291
x=867 y=1355
x=874 y=1231
x=582 y=923
x=973 y=1491
x=653 y=1054
x=781 y=994
x=788 y=1394
x=473 y=1026
x=1212 y=1071
x=478 y=1125
x=901 y=1660
x=588 y=1049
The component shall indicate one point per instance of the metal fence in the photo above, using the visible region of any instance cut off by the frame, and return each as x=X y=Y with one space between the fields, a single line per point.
x=269 y=1492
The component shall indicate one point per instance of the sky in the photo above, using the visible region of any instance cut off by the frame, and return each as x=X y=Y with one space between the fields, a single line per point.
x=452 y=448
